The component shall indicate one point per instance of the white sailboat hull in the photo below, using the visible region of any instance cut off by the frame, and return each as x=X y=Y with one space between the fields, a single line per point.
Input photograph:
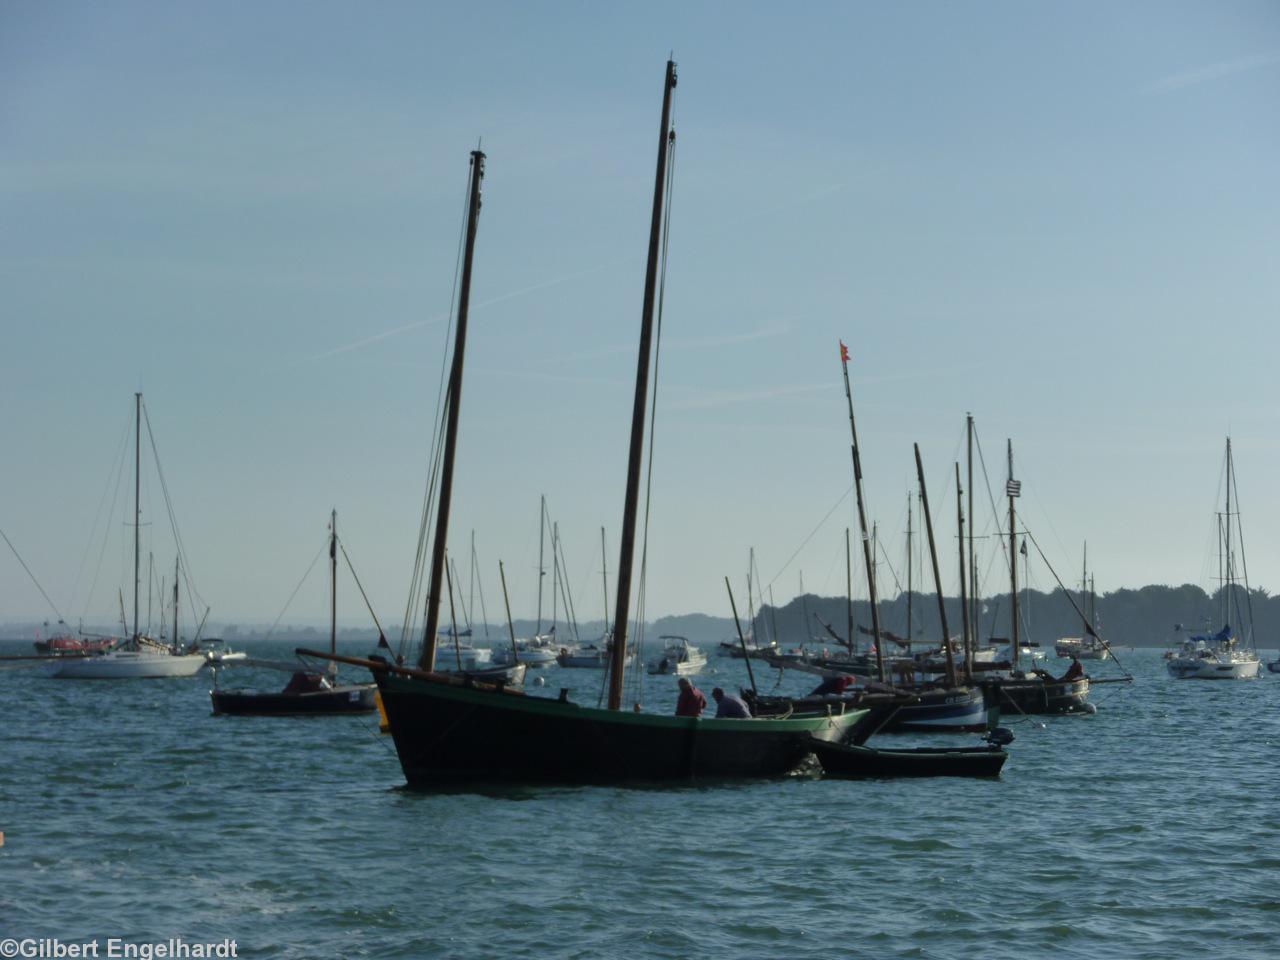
x=131 y=664
x=1212 y=668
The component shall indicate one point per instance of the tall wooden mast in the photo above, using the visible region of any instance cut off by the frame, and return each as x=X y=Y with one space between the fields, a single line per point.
x=910 y=584
x=862 y=515
x=937 y=574
x=542 y=570
x=964 y=596
x=1230 y=567
x=604 y=582
x=973 y=561
x=848 y=591
x=333 y=589
x=137 y=502
x=627 y=549
x=175 y=605
x=1013 y=488
x=454 y=400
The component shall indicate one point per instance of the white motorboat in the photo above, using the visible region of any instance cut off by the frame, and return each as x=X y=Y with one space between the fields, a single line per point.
x=537 y=652
x=1082 y=648
x=679 y=658
x=591 y=656
x=217 y=653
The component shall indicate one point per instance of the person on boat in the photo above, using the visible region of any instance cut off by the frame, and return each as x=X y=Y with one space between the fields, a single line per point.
x=729 y=707
x=837 y=685
x=691 y=702
x=1075 y=671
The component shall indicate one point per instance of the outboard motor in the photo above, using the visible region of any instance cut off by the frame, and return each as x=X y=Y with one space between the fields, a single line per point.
x=999 y=737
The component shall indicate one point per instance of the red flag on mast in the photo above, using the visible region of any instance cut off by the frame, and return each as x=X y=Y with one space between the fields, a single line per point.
x=844 y=353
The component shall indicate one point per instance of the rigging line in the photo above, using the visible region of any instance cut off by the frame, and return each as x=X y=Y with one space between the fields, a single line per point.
x=884 y=558
x=428 y=513
x=484 y=615
x=324 y=546
x=93 y=531
x=844 y=496
x=106 y=526
x=32 y=576
x=986 y=479
x=566 y=592
x=168 y=503
x=350 y=566
x=653 y=409
x=437 y=440
x=1244 y=560
x=1027 y=533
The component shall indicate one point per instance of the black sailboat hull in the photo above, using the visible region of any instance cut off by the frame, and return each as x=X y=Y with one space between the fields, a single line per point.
x=955 y=710
x=357 y=698
x=458 y=733
x=1035 y=695
x=848 y=760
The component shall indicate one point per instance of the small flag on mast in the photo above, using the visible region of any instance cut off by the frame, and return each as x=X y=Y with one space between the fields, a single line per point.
x=1023 y=549
x=1013 y=488
x=844 y=353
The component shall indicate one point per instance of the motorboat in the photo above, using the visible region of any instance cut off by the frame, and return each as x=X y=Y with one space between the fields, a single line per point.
x=679 y=658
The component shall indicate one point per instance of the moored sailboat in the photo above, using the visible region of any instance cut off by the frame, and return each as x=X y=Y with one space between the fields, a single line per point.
x=448 y=730
x=1223 y=655
x=1037 y=692
x=308 y=692
x=139 y=656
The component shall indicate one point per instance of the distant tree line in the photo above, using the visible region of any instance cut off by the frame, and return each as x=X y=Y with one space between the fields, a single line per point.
x=1148 y=616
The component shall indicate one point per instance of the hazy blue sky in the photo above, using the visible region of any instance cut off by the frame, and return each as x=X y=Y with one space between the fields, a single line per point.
x=1063 y=218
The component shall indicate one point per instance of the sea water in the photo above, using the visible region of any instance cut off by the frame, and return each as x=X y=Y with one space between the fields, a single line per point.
x=1148 y=830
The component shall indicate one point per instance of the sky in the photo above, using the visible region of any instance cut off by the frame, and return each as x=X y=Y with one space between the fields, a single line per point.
x=1062 y=218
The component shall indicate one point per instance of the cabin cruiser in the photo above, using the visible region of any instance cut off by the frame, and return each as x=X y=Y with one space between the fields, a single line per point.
x=679 y=658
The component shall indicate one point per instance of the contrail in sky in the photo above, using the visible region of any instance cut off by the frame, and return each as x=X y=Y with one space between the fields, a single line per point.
x=812 y=197
x=364 y=342
x=1214 y=71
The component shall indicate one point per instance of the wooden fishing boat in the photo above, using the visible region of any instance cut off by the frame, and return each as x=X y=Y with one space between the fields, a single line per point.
x=452 y=731
x=938 y=710
x=66 y=644
x=449 y=730
x=1038 y=695
x=856 y=761
x=307 y=693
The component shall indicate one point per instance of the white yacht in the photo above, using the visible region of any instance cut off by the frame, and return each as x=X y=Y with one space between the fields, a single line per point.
x=1216 y=657
x=1223 y=656
x=679 y=658
x=540 y=651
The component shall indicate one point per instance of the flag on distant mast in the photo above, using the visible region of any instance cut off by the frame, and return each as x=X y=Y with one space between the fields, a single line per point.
x=844 y=353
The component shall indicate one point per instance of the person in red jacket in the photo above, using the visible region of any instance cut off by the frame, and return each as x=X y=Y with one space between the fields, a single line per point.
x=691 y=702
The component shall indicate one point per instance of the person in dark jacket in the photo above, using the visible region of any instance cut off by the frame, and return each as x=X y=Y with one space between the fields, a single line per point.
x=691 y=702
x=729 y=707
x=1075 y=671
x=837 y=685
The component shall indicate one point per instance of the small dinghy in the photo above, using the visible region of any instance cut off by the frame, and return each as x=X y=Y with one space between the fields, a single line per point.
x=306 y=694
x=853 y=760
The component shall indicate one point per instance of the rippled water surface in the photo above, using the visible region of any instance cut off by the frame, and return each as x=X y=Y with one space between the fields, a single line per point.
x=1149 y=830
